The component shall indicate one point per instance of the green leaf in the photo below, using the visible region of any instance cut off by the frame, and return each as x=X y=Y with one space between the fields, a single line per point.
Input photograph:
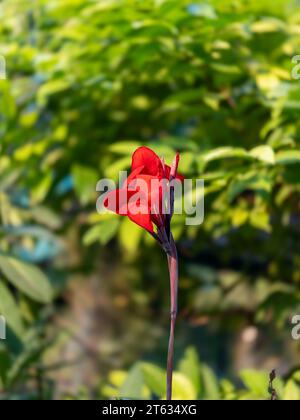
x=102 y=232
x=133 y=384
x=260 y=219
x=5 y=364
x=255 y=381
x=130 y=236
x=117 y=378
x=8 y=178
x=33 y=349
x=10 y=310
x=239 y=216
x=155 y=379
x=190 y=367
x=46 y=216
x=264 y=153
x=112 y=171
x=211 y=389
x=288 y=157
x=27 y=278
x=225 y=153
x=226 y=68
x=124 y=147
x=85 y=181
x=40 y=191
x=267 y=25
x=183 y=388
x=51 y=88
x=228 y=390
x=259 y=182
x=291 y=391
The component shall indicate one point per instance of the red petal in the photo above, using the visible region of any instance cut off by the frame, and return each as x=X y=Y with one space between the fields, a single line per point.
x=151 y=163
x=133 y=175
x=146 y=166
x=139 y=208
x=116 y=201
x=144 y=156
x=143 y=182
x=154 y=197
x=143 y=220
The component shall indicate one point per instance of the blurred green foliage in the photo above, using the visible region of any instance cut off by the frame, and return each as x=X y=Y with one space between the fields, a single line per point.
x=87 y=83
x=195 y=380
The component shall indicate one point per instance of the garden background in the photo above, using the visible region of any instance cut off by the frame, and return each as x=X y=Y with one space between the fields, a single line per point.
x=86 y=296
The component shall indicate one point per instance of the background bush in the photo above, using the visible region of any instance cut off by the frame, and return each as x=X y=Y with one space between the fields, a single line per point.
x=86 y=296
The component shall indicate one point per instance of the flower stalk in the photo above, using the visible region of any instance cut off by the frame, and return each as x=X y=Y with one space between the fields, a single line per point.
x=172 y=256
x=153 y=210
x=173 y=270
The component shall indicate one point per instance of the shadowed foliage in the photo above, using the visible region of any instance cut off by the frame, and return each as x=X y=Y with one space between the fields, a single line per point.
x=87 y=83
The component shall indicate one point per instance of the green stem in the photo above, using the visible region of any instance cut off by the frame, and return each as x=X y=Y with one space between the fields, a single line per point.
x=173 y=270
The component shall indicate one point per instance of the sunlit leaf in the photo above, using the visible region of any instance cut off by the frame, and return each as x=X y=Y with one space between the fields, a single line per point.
x=102 y=232
x=190 y=367
x=154 y=378
x=183 y=388
x=291 y=391
x=255 y=381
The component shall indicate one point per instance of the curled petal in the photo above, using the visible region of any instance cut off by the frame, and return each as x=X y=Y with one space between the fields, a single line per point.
x=152 y=165
x=174 y=166
x=145 y=157
x=133 y=175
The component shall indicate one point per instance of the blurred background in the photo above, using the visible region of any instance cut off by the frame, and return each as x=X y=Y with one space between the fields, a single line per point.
x=86 y=296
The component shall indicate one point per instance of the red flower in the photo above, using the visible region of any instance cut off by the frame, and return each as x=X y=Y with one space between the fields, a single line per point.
x=140 y=197
x=145 y=206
